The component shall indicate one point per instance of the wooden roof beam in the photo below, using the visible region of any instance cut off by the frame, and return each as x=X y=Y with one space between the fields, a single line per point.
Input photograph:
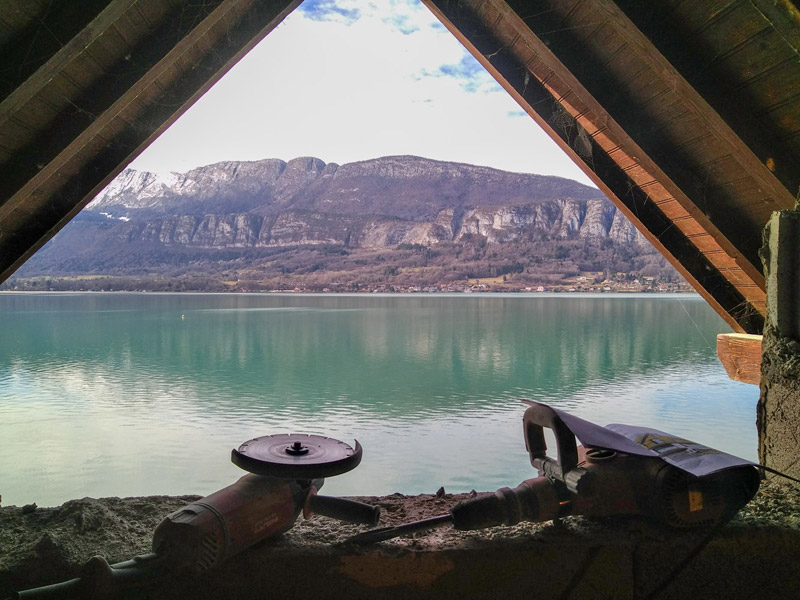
x=550 y=109
x=597 y=85
x=754 y=142
x=87 y=114
x=55 y=33
x=30 y=75
x=52 y=179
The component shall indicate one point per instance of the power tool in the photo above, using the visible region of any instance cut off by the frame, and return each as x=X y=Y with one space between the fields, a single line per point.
x=285 y=473
x=645 y=472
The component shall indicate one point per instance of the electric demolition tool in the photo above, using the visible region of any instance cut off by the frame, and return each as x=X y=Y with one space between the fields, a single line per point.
x=619 y=470
x=285 y=473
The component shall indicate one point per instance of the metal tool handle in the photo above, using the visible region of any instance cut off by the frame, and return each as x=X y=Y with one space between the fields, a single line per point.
x=98 y=580
x=343 y=509
x=58 y=591
x=532 y=500
x=536 y=418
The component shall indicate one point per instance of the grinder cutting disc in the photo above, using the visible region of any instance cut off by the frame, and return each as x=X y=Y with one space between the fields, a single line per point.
x=296 y=456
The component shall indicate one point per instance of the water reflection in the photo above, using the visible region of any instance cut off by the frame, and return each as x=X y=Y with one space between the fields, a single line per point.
x=106 y=394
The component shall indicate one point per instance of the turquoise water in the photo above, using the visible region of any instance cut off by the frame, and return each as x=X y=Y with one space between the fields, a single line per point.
x=132 y=394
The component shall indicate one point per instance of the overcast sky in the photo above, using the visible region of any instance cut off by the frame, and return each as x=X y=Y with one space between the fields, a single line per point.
x=349 y=80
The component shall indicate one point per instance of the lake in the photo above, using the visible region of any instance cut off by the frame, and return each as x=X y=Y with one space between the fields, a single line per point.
x=137 y=394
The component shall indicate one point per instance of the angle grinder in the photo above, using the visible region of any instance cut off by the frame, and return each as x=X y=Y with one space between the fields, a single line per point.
x=285 y=473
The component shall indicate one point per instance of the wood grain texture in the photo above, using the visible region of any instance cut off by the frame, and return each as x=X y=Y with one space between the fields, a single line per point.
x=740 y=354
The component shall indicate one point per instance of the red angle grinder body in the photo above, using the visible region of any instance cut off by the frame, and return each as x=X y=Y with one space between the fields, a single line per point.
x=286 y=470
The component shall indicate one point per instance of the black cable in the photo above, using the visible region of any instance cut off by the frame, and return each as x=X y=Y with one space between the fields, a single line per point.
x=685 y=562
x=776 y=472
x=726 y=518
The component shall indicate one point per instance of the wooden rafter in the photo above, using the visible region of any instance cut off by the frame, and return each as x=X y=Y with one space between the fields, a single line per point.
x=763 y=38
x=686 y=114
x=59 y=169
x=54 y=34
x=578 y=99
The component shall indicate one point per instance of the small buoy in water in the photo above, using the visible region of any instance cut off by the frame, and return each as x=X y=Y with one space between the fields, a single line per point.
x=183 y=317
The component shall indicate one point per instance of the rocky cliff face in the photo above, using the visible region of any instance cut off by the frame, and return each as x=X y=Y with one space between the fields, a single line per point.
x=394 y=223
x=372 y=204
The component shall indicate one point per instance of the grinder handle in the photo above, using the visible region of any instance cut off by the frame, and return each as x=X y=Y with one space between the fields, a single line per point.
x=536 y=418
x=350 y=511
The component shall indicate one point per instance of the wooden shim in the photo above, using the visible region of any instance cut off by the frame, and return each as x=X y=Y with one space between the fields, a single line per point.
x=740 y=354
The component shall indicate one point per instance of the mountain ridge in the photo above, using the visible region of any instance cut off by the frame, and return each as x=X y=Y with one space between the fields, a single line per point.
x=309 y=183
x=230 y=219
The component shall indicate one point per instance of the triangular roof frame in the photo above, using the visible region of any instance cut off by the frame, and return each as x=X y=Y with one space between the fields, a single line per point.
x=686 y=114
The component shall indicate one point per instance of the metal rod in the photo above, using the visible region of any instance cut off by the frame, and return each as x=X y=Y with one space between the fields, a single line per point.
x=387 y=533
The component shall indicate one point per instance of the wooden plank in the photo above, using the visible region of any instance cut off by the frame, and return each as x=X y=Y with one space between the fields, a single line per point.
x=610 y=92
x=639 y=174
x=134 y=22
x=757 y=56
x=106 y=50
x=706 y=244
x=34 y=115
x=697 y=16
x=98 y=104
x=689 y=226
x=731 y=30
x=656 y=192
x=672 y=209
x=650 y=91
x=682 y=38
x=750 y=197
x=663 y=112
x=15 y=134
x=786 y=116
x=17 y=16
x=704 y=149
x=778 y=85
x=783 y=17
x=83 y=72
x=37 y=74
x=740 y=354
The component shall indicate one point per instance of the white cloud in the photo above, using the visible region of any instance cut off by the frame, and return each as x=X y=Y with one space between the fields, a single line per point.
x=325 y=83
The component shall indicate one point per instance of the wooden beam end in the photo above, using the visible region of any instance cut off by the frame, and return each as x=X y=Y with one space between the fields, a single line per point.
x=740 y=354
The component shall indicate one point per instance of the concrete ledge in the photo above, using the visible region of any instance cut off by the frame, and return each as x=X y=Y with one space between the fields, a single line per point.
x=606 y=563
x=755 y=556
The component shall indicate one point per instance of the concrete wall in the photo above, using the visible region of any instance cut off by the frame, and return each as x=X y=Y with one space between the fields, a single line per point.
x=779 y=404
x=621 y=558
x=617 y=562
